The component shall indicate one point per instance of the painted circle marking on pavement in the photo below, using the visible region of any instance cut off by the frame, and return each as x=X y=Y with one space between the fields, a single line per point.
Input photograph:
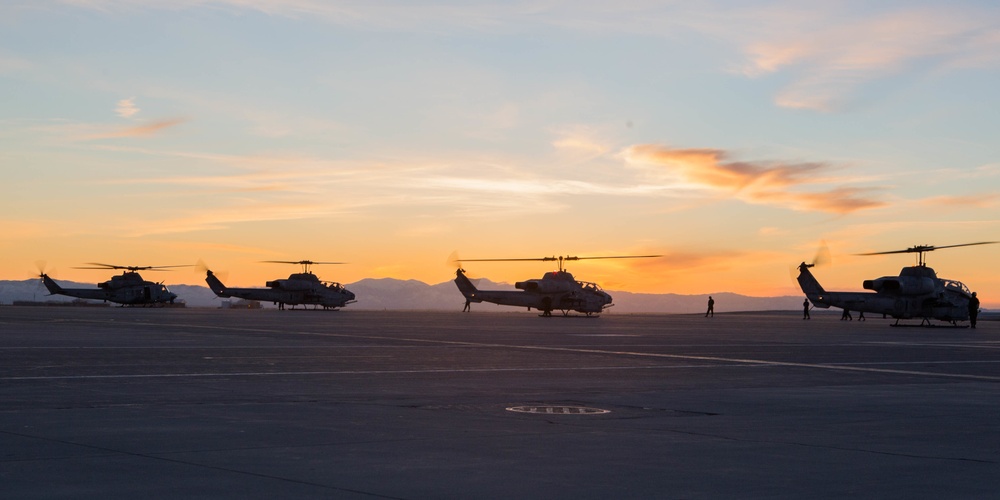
x=558 y=410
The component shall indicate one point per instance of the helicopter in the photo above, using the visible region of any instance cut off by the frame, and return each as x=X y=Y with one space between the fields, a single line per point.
x=129 y=289
x=299 y=288
x=556 y=290
x=916 y=293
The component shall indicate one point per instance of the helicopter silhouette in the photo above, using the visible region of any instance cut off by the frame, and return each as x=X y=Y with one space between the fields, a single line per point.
x=128 y=289
x=300 y=288
x=916 y=293
x=555 y=290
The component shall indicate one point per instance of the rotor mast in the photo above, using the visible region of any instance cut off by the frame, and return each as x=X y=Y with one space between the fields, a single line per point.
x=304 y=263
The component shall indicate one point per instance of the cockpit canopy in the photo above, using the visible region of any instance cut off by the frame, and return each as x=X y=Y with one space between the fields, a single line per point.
x=956 y=286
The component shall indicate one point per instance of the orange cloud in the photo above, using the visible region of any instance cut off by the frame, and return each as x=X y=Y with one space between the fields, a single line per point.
x=969 y=201
x=767 y=183
x=687 y=262
x=144 y=130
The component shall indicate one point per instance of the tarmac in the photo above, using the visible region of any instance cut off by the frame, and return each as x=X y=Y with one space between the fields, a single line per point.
x=203 y=403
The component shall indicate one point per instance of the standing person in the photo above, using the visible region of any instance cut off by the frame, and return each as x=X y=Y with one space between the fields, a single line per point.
x=973 y=309
x=805 y=309
x=711 y=307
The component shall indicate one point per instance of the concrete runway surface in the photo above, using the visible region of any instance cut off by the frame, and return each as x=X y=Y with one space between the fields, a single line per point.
x=200 y=403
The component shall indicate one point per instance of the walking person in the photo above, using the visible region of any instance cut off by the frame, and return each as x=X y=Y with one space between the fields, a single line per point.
x=711 y=307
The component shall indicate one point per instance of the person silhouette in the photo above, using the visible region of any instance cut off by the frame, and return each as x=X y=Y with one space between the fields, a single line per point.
x=805 y=309
x=711 y=307
x=973 y=309
x=468 y=306
x=861 y=316
x=846 y=315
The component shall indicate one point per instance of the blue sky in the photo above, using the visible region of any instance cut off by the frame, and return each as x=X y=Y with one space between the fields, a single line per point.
x=733 y=137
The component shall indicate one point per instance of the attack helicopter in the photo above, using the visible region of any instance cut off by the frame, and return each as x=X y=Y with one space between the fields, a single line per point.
x=916 y=293
x=300 y=288
x=129 y=289
x=556 y=290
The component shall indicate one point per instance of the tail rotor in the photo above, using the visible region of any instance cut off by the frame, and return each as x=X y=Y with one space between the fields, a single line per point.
x=203 y=268
x=44 y=271
x=822 y=258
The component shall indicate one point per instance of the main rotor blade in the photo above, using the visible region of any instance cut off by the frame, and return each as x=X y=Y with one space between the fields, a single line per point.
x=299 y=262
x=549 y=259
x=507 y=260
x=615 y=257
x=130 y=268
x=886 y=253
x=101 y=266
x=928 y=248
x=970 y=244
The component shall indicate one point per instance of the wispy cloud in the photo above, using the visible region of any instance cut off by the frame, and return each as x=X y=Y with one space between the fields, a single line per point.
x=16 y=230
x=830 y=55
x=144 y=130
x=529 y=187
x=126 y=108
x=687 y=262
x=11 y=64
x=581 y=143
x=220 y=218
x=981 y=200
x=827 y=52
x=768 y=183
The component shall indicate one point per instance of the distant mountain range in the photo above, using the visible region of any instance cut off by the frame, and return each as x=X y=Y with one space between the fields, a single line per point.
x=394 y=294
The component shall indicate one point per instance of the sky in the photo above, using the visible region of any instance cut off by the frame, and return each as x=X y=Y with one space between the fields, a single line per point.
x=734 y=138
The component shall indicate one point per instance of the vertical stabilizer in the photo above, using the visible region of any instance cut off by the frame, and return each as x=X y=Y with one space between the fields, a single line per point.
x=465 y=286
x=810 y=286
x=51 y=286
x=217 y=287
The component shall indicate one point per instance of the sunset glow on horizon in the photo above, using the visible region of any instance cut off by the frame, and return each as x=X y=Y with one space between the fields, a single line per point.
x=732 y=138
